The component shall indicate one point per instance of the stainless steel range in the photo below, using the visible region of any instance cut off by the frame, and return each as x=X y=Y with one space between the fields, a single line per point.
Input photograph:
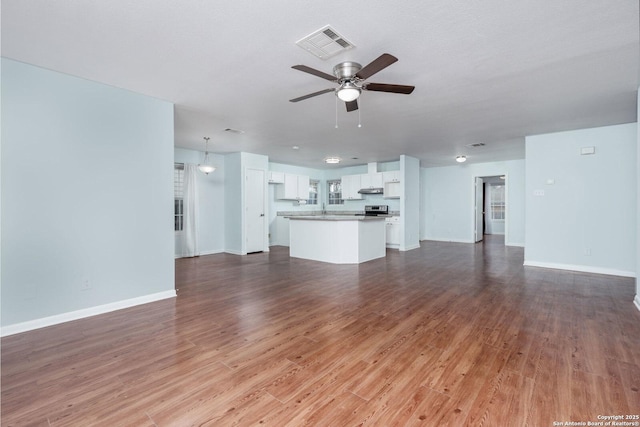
x=375 y=210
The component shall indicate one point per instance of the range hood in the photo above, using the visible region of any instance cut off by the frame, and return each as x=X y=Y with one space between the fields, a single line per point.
x=378 y=190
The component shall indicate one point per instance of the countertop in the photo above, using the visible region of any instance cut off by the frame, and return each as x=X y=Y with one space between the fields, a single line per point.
x=291 y=214
x=336 y=217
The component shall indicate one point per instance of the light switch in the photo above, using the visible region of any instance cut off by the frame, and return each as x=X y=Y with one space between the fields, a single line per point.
x=551 y=181
x=538 y=192
x=587 y=150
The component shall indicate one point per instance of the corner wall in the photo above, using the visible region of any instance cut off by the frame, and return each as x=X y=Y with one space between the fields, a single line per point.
x=87 y=173
x=447 y=201
x=581 y=209
x=210 y=199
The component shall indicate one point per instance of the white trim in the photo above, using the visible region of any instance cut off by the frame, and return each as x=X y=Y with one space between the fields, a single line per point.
x=521 y=245
x=409 y=248
x=580 y=268
x=234 y=252
x=636 y=301
x=217 y=251
x=85 y=312
x=446 y=239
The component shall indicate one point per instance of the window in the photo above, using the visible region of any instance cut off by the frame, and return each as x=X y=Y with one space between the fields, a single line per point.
x=313 y=192
x=178 y=181
x=497 y=202
x=335 y=192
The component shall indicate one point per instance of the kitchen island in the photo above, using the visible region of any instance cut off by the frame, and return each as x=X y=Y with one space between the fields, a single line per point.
x=338 y=239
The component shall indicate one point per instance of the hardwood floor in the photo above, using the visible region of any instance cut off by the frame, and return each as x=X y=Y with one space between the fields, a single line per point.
x=445 y=335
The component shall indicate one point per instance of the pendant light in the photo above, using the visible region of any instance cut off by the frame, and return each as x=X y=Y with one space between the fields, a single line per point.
x=205 y=167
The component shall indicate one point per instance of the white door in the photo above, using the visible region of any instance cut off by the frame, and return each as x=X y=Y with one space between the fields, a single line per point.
x=254 y=210
x=478 y=209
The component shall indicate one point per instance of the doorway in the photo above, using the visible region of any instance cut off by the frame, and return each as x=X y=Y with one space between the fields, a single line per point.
x=490 y=206
x=254 y=213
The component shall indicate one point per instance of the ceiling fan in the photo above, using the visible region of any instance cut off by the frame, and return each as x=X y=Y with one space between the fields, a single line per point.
x=351 y=76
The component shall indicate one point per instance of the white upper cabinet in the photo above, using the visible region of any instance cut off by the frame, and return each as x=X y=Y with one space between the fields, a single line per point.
x=276 y=177
x=391 y=176
x=371 y=180
x=294 y=187
x=351 y=184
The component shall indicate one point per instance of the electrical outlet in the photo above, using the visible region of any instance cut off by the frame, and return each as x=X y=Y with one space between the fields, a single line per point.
x=587 y=251
x=85 y=285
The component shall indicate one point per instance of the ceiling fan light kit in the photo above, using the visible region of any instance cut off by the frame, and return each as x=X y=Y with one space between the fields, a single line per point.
x=348 y=92
x=461 y=159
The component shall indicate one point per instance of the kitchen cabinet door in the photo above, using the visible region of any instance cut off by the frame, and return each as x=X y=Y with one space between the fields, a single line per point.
x=393 y=231
x=371 y=180
x=276 y=177
x=295 y=187
x=350 y=187
x=391 y=176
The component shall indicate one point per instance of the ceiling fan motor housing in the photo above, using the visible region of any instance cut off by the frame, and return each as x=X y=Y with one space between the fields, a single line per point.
x=346 y=70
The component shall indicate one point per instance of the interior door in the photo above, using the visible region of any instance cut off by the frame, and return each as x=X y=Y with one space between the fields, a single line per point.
x=254 y=210
x=478 y=209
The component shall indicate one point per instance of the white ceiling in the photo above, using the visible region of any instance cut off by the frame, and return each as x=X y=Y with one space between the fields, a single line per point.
x=487 y=71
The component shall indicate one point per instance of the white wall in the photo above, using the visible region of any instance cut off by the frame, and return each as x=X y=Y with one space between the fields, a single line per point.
x=235 y=166
x=87 y=173
x=586 y=220
x=447 y=201
x=210 y=229
x=410 y=203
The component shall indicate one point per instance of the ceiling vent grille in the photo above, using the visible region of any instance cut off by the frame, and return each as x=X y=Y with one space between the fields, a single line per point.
x=325 y=43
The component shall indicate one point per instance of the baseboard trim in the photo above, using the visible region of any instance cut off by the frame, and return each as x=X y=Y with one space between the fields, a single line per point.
x=218 y=251
x=85 y=312
x=519 y=245
x=409 y=248
x=437 y=239
x=580 y=268
x=636 y=301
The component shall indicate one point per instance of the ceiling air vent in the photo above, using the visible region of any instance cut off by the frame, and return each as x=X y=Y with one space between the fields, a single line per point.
x=325 y=43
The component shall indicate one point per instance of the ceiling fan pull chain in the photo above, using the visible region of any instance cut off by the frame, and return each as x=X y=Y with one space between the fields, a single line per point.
x=359 y=110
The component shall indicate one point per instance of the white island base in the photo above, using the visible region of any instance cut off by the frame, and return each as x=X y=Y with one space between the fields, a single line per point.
x=337 y=239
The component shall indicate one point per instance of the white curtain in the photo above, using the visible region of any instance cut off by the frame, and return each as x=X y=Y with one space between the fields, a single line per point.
x=190 y=212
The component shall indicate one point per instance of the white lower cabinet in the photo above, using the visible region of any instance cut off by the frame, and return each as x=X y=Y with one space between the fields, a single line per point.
x=393 y=231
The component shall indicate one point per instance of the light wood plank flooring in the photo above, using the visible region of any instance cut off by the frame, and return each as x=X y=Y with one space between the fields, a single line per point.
x=445 y=335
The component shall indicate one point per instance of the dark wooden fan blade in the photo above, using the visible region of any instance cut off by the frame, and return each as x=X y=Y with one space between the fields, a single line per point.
x=352 y=105
x=311 y=95
x=315 y=72
x=382 y=62
x=383 y=87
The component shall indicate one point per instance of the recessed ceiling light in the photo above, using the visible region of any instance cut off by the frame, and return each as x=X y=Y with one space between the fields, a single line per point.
x=461 y=159
x=332 y=160
x=295 y=147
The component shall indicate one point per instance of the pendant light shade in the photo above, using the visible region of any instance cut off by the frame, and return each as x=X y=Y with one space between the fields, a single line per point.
x=205 y=167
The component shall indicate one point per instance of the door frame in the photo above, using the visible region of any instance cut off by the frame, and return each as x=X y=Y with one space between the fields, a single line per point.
x=506 y=203
x=248 y=195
